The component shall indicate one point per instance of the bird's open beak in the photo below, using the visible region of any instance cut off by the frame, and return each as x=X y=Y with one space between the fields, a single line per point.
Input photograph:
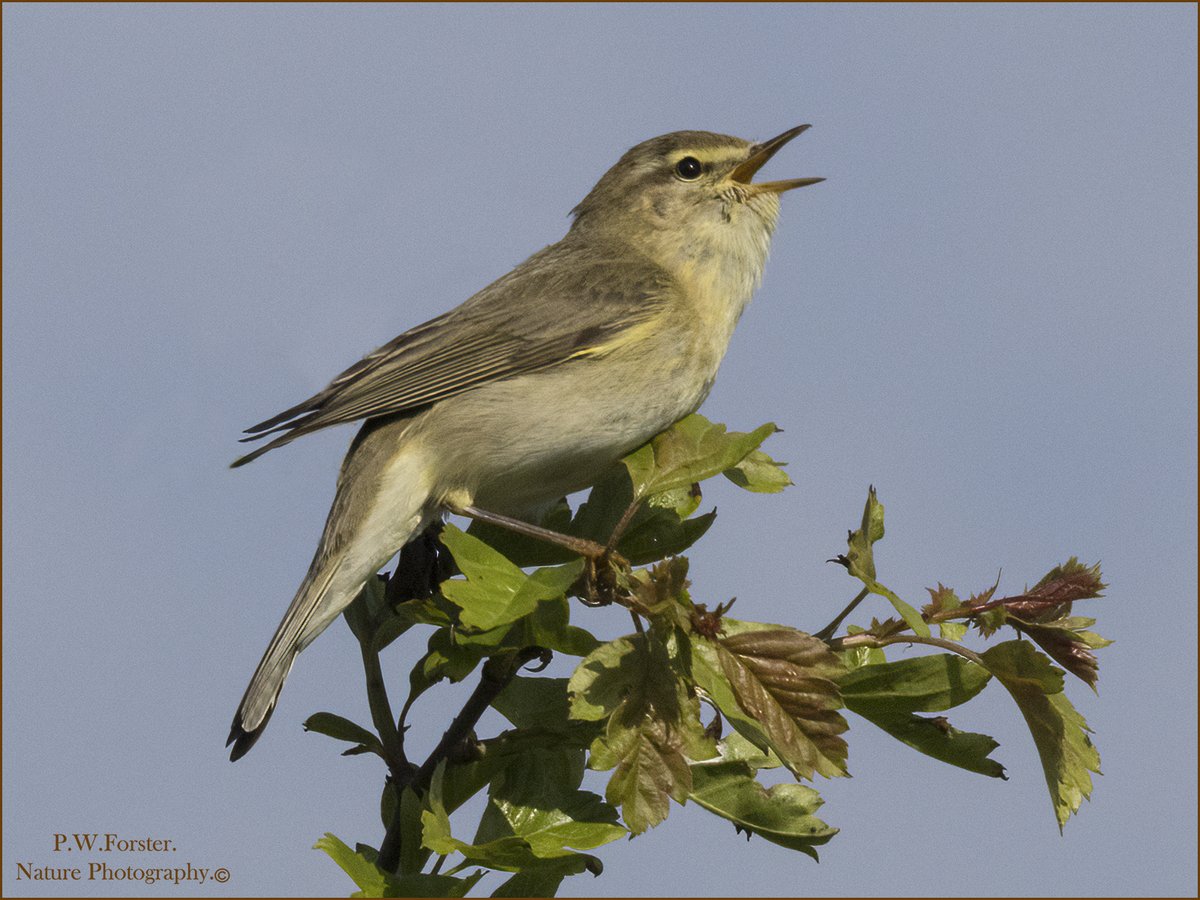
x=760 y=153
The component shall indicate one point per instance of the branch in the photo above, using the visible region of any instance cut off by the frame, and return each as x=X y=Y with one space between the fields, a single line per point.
x=498 y=671
x=864 y=639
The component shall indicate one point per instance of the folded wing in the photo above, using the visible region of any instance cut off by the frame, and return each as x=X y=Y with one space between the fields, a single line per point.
x=555 y=307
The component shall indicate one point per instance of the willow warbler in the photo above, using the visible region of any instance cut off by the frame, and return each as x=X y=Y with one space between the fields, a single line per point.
x=532 y=387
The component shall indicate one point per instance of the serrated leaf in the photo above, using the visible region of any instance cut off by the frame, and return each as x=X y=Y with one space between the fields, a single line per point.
x=859 y=561
x=759 y=473
x=737 y=748
x=341 y=729
x=938 y=738
x=649 y=764
x=683 y=501
x=1070 y=647
x=495 y=592
x=782 y=814
x=599 y=683
x=688 y=452
x=511 y=853
x=371 y=880
x=782 y=681
x=1059 y=731
x=943 y=599
x=1052 y=596
x=653 y=724
x=540 y=799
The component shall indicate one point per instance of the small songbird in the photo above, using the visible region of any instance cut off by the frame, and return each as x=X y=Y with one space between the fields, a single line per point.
x=532 y=387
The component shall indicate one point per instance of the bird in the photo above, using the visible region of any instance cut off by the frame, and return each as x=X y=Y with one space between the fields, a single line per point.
x=532 y=387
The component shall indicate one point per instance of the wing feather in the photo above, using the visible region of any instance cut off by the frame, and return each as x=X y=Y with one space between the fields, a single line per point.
x=548 y=310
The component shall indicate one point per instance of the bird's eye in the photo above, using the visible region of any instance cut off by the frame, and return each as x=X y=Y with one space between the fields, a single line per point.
x=688 y=168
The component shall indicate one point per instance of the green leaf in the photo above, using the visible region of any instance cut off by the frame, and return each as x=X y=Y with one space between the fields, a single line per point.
x=371 y=880
x=683 y=501
x=736 y=748
x=366 y=610
x=859 y=560
x=535 y=703
x=1060 y=733
x=688 y=452
x=1068 y=644
x=759 y=473
x=510 y=853
x=344 y=730
x=943 y=599
x=540 y=799
x=936 y=737
x=782 y=814
x=888 y=694
x=650 y=767
x=495 y=592
x=601 y=681
x=539 y=883
x=917 y=684
x=782 y=680
x=659 y=528
x=653 y=725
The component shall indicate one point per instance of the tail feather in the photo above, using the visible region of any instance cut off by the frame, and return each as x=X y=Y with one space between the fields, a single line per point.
x=311 y=611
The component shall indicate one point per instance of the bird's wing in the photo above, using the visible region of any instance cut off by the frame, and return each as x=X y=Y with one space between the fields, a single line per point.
x=565 y=311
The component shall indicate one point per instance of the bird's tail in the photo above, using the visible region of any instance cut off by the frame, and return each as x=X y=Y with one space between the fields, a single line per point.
x=321 y=597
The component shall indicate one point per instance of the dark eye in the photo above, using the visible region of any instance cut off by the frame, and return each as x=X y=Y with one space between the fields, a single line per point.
x=688 y=168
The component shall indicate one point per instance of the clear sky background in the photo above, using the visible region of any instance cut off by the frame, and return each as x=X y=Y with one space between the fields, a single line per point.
x=988 y=311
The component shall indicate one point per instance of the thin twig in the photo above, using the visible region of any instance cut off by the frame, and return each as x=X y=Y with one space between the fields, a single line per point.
x=869 y=640
x=827 y=632
x=623 y=523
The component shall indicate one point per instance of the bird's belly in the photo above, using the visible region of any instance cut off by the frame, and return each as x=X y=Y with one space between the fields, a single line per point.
x=519 y=444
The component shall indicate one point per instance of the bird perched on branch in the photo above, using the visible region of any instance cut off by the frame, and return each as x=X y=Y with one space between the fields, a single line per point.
x=536 y=384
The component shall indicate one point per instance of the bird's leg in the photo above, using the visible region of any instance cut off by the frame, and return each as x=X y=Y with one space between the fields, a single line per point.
x=584 y=547
x=601 y=579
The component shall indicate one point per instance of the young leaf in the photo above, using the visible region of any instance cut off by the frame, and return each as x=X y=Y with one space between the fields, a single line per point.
x=1068 y=644
x=782 y=814
x=650 y=767
x=653 y=725
x=371 y=880
x=495 y=592
x=344 y=730
x=783 y=681
x=509 y=853
x=943 y=599
x=539 y=797
x=1060 y=733
x=690 y=451
x=859 y=560
x=759 y=473
x=1051 y=598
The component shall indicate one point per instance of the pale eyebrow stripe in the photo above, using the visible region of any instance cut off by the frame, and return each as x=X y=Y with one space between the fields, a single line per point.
x=706 y=155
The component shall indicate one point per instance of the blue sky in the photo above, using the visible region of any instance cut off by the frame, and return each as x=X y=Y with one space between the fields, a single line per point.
x=988 y=311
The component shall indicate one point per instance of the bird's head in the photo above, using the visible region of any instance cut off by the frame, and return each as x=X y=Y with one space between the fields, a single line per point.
x=690 y=186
